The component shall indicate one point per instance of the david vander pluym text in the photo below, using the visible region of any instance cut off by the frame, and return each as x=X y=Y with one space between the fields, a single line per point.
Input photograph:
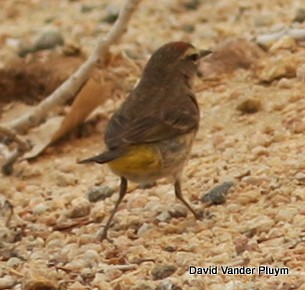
x=227 y=270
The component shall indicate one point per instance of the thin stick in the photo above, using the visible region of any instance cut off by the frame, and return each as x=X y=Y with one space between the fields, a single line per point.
x=10 y=133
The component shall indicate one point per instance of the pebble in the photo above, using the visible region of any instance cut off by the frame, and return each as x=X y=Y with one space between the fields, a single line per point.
x=263 y=19
x=7 y=235
x=48 y=38
x=160 y=272
x=178 y=210
x=113 y=273
x=67 y=167
x=301 y=72
x=217 y=195
x=165 y=285
x=261 y=223
x=192 y=4
x=91 y=256
x=112 y=16
x=40 y=208
x=260 y=151
x=286 y=42
x=98 y=193
x=143 y=286
x=76 y=265
x=7 y=282
x=277 y=68
x=75 y=286
x=100 y=281
x=65 y=179
x=255 y=180
x=300 y=176
x=250 y=106
x=80 y=209
x=143 y=229
x=299 y=14
x=285 y=83
x=287 y=214
x=164 y=216
x=13 y=262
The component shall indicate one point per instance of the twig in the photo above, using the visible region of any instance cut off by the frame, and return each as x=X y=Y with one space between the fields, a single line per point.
x=72 y=85
x=10 y=133
x=22 y=147
x=267 y=39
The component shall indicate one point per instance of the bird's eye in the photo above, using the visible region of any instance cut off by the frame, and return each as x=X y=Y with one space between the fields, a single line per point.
x=194 y=57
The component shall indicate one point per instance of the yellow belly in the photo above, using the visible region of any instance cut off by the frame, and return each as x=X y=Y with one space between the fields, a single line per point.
x=149 y=162
x=140 y=163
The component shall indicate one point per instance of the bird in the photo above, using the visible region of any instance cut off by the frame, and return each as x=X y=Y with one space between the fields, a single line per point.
x=151 y=134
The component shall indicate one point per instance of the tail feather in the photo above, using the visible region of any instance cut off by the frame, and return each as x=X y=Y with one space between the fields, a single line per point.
x=103 y=157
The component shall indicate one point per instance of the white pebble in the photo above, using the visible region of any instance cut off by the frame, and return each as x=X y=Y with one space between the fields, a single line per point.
x=7 y=282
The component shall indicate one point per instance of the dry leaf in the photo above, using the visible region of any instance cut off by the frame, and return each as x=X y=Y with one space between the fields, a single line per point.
x=92 y=94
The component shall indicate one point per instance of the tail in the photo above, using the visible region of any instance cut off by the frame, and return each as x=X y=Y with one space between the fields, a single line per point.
x=103 y=157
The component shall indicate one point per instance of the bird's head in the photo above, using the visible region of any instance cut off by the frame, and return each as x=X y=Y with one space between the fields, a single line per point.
x=174 y=59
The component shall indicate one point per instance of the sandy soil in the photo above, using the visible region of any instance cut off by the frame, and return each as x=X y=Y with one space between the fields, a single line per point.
x=50 y=240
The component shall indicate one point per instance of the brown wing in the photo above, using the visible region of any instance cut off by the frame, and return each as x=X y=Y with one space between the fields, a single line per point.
x=152 y=125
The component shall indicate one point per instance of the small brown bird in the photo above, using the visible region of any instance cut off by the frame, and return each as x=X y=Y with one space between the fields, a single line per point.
x=151 y=134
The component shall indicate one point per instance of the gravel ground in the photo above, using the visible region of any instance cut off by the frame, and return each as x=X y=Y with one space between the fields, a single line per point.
x=251 y=134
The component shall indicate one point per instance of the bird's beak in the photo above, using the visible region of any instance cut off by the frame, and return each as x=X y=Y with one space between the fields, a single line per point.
x=204 y=52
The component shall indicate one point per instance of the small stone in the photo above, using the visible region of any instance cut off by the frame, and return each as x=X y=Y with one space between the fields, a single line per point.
x=178 y=210
x=85 y=8
x=67 y=167
x=300 y=177
x=65 y=179
x=299 y=15
x=143 y=229
x=295 y=125
x=98 y=193
x=165 y=285
x=261 y=223
x=188 y=28
x=71 y=49
x=79 y=210
x=285 y=83
x=255 y=180
x=40 y=208
x=217 y=195
x=13 y=262
x=263 y=19
x=170 y=249
x=162 y=271
x=142 y=286
x=192 y=4
x=111 y=16
x=48 y=38
x=164 y=216
x=286 y=42
x=260 y=151
x=301 y=72
x=278 y=67
x=287 y=214
x=250 y=106
x=7 y=282
x=7 y=235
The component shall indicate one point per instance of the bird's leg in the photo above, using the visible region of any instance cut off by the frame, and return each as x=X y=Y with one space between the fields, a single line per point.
x=123 y=189
x=178 y=194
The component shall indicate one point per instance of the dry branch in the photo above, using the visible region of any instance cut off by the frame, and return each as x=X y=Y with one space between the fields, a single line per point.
x=72 y=85
x=266 y=39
